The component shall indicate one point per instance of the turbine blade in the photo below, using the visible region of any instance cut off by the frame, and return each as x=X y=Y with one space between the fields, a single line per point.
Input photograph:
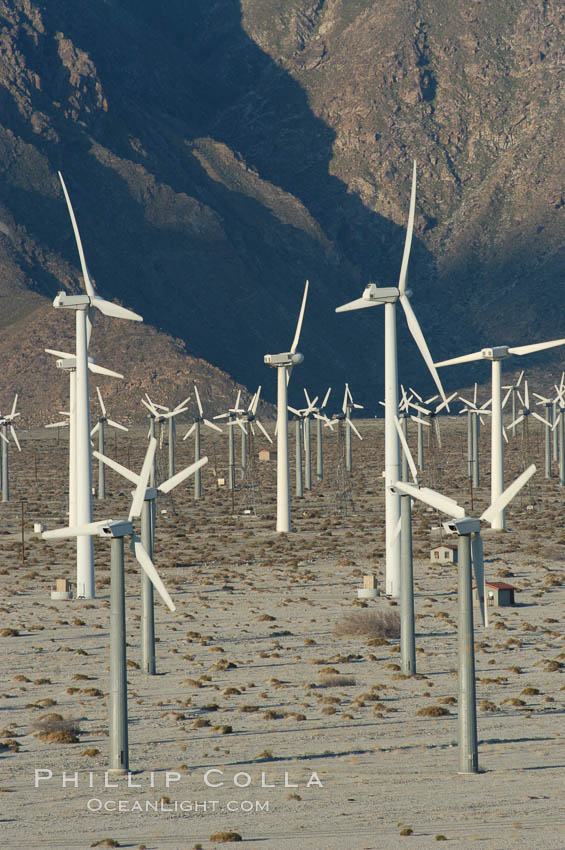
x=87 y=282
x=263 y=430
x=506 y=397
x=358 y=304
x=89 y=528
x=256 y=400
x=114 y=310
x=353 y=428
x=507 y=495
x=102 y=405
x=177 y=479
x=344 y=405
x=430 y=497
x=148 y=567
x=199 y=403
x=13 y=413
x=416 y=332
x=326 y=397
x=408 y=240
x=15 y=436
x=539 y=346
x=296 y=339
x=117 y=425
x=117 y=467
x=541 y=418
x=211 y=425
x=191 y=430
x=101 y=370
x=95 y=429
x=143 y=481
x=465 y=358
x=516 y=422
x=406 y=450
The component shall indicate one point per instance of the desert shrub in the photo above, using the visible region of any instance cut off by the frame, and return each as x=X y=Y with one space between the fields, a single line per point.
x=54 y=729
x=336 y=681
x=220 y=837
x=371 y=624
x=432 y=711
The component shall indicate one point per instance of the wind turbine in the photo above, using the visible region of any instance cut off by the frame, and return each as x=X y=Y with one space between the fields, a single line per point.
x=513 y=393
x=470 y=551
x=103 y=420
x=116 y=530
x=559 y=423
x=232 y=416
x=84 y=306
x=249 y=419
x=195 y=429
x=320 y=418
x=161 y=414
x=550 y=416
x=7 y=425
x=347 y=408
x=496 y=355
x=474 y=417
x=389 y=296
x=524 y=417
x=284 y=364
x=143 y=504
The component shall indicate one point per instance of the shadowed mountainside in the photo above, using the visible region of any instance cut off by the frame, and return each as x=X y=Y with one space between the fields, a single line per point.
x=219 y=153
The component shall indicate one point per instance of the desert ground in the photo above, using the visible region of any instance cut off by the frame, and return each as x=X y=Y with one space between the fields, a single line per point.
x=260 y=676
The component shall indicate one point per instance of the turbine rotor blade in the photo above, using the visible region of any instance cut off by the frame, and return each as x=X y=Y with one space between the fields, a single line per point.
x=507 y=495
x=86 y=277
x=108 y=308
x=148 y=567
x=117 y=425
x=141 y=488
x=190 y=431
x=102 y=405
x=177 y=479
x=432 y=498
x=353 y=428
x=263 y=430
x=540 y=346
x=416 y=332
x=14 y=435
x=406 y=450
x=199 y=403
x=296 y=339
x=408 y=240
x=211 y=425
x=465 y=358
x=117 y=467
x=479 y=570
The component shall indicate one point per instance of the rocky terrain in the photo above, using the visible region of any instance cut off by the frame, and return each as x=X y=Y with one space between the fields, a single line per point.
x=220 y=153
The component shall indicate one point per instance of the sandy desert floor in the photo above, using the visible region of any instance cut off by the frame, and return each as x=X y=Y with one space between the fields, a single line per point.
x=255 y=682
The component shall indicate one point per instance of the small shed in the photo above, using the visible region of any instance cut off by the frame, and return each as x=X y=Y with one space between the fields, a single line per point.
x=267 y=454
x=498 y=594
x=444 y=554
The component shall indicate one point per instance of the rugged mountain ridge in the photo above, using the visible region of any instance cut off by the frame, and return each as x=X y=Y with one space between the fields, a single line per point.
x=219 y=153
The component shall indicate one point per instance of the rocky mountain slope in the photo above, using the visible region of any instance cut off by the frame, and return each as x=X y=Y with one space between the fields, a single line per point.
x=218 y=153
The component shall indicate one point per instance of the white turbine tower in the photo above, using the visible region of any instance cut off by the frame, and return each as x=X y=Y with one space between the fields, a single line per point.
x=373 y=296
x=67 y=363
x=284 y=363
x=7 y=425
x=195 y=429
x=470 y=551
x=84 y=306
x=496 y=355
x=99 y=428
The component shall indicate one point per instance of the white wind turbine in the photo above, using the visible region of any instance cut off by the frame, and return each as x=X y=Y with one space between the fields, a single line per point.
x=496 y=355
x=195 y=429
x=284 y=364
x=7 y=426
x=550 y=405
x=159 y=415
x=470 y=551
x=373 y=296
x=84 y=307
x=250 y=419
x=144 y=506
x=116 y=530
x=103 y=420
x=474 y=417
x=348 y=406
x=513 y=393
x=232 y=416
x=559 y=425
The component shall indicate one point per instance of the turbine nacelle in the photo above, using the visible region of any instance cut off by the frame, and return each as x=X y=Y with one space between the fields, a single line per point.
x=465 y=525
x=288 y=358
x=498 y=352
